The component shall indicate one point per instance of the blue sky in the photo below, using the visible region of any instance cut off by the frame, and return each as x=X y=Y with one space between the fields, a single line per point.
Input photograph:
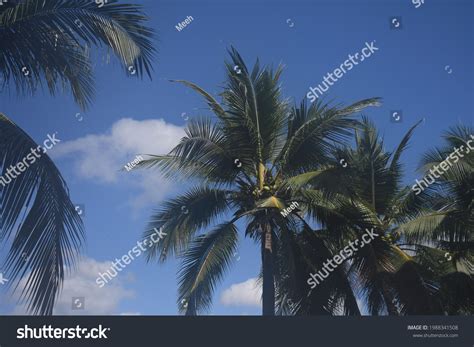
x=130 y=116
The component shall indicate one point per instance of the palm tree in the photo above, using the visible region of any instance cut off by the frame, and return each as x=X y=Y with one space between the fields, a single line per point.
x=453 y=194
x=46 y=44
x=403 y=271
x=241 y=165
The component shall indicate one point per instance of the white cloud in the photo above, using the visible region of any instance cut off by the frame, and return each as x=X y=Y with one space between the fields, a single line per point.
x=81 y=284
x=100 y=157
x=248 y=293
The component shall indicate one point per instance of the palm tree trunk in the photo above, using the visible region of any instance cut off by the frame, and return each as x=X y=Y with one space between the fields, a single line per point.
x=268 y=295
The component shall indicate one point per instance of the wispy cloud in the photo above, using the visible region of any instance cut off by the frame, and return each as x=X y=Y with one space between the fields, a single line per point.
x=100 y=157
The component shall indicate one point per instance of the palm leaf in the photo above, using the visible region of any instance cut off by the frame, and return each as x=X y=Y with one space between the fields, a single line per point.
x=182 y=217
x=39 y=220
x=54 y=49
x=203 y=266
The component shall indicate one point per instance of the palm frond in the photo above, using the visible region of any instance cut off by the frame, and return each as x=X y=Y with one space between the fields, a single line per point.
x=55 y=49
x=317 y=130
x=37 y=218
x=180 y=218
x=203 y=266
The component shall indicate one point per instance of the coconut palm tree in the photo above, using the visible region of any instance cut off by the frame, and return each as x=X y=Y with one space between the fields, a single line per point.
x=453 y=194
x=241 y=164
x=403 y=271
x=46 y=44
